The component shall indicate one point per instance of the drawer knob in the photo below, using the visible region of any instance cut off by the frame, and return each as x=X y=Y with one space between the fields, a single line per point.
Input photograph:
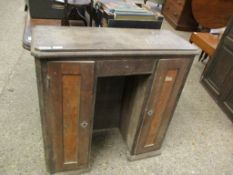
x=150 y=113
x=84 y=124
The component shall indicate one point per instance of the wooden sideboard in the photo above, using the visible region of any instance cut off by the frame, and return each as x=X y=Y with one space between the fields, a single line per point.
x=218 y=75
x=97 y=78
x=179 y=14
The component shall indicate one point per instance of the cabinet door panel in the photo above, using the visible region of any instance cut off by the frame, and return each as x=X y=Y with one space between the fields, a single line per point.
x=169 y=79
x=227 y=93
x=220 y=68
x=69 y=113
x=228 y=102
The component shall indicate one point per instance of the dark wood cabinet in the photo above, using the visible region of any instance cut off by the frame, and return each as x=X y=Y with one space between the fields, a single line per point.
x=132 y=85
x=179 y=14
x=218 y=75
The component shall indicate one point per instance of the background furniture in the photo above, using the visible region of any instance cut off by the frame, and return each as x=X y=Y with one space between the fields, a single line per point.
x=106 y=13
x=207 y=42
x=212 y=14
x=197 y=15
x=77 y=73
x=218 y=75
x=79 y=7
x=43 y=9
x=179 y=14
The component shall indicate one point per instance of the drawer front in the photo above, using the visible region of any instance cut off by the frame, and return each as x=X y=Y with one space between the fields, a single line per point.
x=124 y=67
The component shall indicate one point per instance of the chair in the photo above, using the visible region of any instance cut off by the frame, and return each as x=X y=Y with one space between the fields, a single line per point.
x=79 y=6
x=26 y=5
x=207 y=42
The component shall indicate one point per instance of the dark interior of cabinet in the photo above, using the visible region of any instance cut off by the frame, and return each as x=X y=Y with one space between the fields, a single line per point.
x=118 y=104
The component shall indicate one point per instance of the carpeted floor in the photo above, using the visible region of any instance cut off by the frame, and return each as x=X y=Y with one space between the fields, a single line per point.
x=199 y=139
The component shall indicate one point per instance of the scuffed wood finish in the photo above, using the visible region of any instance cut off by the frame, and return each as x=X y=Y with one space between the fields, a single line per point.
x=55 y=42
x=124 y=76
x=160 y=107
x=30 y=23
x=124 y=67
x=69 y=103
x=167 y=85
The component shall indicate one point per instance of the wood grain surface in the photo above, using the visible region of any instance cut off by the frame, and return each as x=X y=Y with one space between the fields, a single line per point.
x=70 y=41
x=212 y=14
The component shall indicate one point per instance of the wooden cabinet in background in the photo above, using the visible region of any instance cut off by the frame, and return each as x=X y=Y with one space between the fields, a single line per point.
x=218 y=75
x=86 y=84
x=179 y=14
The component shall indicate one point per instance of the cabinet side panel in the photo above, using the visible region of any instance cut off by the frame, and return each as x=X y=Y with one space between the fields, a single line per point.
x=40 y=75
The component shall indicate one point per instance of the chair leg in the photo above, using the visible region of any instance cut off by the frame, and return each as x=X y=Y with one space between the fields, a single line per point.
x=82 y=17
x=25 y=8
x=65 y=19
x=91 y=15
x=200 y=57
x=205 y=57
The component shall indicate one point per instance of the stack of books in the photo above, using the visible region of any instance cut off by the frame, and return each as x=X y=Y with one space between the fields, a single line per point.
x=127 y=10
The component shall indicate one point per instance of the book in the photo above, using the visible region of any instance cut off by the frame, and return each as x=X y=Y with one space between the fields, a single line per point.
x=147 y=16
x=134 y=24
x=117 y=5
x=127 y=10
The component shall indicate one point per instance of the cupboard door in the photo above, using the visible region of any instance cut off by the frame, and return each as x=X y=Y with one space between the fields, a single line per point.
x=221 y=67
x=227 y=94
x=69 y=114
x=167 y=85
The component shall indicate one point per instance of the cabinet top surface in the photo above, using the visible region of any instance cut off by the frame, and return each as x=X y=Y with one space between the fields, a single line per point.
x=51 y=41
